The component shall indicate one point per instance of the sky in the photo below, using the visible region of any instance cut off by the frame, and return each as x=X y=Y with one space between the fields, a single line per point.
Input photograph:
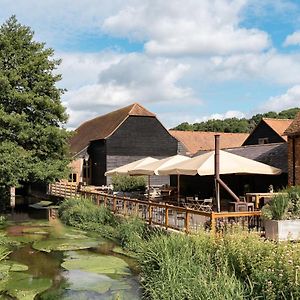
x=186 y=61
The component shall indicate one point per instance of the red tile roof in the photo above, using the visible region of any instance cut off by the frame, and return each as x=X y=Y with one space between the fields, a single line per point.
x=195 y=141
x=103 y=126
x=294 y=128
x=278 y=125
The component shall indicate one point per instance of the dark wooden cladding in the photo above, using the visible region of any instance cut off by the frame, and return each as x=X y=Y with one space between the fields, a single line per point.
x=137 y=137
x=141 y=136
x=97 y=153
x=263 y=131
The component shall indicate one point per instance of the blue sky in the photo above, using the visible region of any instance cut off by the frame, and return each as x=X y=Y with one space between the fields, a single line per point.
x=184 y=60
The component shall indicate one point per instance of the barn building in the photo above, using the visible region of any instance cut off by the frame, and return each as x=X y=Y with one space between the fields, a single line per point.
x=268 y=131
x=293 y=134
x=118 y=138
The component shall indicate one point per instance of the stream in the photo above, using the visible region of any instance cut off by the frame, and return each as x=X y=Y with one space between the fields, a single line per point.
x=53 y=261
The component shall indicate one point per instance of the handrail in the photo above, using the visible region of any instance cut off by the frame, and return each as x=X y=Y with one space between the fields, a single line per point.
x=161 y=214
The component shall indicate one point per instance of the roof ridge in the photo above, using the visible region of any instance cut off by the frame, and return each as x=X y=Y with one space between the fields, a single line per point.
x=198 y=131
x=278 y=119
x=257 y=145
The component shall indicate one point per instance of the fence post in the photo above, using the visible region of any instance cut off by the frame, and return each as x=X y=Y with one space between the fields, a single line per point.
x=187 y=221
x=166 y=216
x=114 y=204
x=125 y=207
x=213 y=222
x=150 y=214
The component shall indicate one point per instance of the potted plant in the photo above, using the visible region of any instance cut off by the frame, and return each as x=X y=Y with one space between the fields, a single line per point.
x=282 y=215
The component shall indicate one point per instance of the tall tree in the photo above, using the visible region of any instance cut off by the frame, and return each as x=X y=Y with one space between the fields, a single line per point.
x=33 y=142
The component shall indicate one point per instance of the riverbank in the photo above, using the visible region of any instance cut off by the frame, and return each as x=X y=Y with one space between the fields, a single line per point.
x=44 y=260
x=238 y=265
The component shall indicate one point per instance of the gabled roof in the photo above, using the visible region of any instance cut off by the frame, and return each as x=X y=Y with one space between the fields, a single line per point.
x=104 y=126
x=294 y=128
x=278 y=125
x=195 y=141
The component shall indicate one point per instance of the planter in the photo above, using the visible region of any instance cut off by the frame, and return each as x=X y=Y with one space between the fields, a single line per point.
x=282 y=230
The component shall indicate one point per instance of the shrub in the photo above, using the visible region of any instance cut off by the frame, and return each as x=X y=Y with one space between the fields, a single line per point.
x=81 y=211
x=277 y=208
x=3 y=221
x=124 y=183
x=130 y=233
x=284 y=206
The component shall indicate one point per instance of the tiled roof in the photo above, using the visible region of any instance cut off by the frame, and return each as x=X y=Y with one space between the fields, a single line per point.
x=294 y=128
x=195 y=141
x=274 y=155
x=103 y=126
x=278 y=125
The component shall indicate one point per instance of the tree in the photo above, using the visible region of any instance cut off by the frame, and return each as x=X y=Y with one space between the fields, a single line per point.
x=33 y=142
x=235 y=124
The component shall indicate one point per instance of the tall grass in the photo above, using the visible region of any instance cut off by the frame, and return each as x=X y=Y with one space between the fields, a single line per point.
x=184 y=267
x=238 y=265
x=83 y=213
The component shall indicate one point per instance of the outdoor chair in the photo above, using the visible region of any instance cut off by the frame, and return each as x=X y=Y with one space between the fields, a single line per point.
x=206 y=205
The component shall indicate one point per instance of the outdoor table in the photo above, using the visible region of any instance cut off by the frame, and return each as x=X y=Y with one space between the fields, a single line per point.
x=249 y=205
x=257 y=196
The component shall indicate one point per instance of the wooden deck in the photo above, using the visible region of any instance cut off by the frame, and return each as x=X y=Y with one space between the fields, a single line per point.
x=164 y=215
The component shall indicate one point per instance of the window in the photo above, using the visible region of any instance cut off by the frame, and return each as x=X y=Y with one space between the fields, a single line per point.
x=73 y=177
x=263 y=140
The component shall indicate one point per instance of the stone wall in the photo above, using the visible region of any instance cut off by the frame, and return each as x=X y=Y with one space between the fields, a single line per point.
x=294 y=160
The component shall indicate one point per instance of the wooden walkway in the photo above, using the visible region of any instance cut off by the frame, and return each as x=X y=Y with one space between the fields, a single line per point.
x=164 y=215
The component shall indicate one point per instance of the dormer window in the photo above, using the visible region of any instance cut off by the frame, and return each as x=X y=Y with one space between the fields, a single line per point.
x=263 y=141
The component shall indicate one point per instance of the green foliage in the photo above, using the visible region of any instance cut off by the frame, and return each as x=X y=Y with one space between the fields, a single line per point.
x=278 y=207
x=236 y=125
x=238 y=265
x=124 y=183
x=33 y=146
x=3 y=221
x=131 y=233
x=185 y=267
x=284 y=206
x=77 y=211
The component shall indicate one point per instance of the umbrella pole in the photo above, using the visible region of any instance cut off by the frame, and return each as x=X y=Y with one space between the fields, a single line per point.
x=178 y=188
x=148 y=187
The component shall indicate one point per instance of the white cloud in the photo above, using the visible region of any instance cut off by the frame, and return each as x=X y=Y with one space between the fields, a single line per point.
x=288 y=100
x=60 y=21
x=197 y=27
x=127 y=79
x=80 y=69
x=226 y=115
x=270 y=66
x=292 y=39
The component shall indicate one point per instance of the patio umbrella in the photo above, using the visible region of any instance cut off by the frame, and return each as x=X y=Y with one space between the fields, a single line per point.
x=229 y=164
x=123 y=170
x=155 y=167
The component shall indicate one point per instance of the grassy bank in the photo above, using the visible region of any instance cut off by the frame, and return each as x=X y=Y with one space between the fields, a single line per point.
x=174 y=266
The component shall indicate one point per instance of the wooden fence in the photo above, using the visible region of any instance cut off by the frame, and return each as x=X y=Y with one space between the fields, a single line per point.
x=165 y=215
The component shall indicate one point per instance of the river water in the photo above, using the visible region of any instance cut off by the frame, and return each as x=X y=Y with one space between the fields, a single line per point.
x=52 y=261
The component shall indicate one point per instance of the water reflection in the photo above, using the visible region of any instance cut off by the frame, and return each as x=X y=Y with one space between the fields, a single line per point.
x=72 y=284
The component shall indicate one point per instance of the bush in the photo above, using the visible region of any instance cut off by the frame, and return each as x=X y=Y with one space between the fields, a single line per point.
x=83 y=212
x=284 y=206
x=130 y=233
x=124 y=183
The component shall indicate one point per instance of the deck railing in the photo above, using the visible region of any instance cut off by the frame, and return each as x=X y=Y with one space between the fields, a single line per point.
x=163 y=214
